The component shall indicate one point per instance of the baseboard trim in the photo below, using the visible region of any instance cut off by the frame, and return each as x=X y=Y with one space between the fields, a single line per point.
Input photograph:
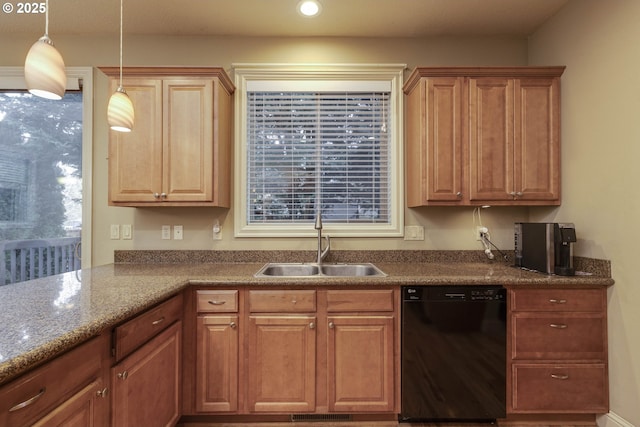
x=613 y=420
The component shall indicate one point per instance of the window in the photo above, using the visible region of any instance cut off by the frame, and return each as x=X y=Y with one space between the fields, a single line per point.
x=322 y=138
x=44 y=167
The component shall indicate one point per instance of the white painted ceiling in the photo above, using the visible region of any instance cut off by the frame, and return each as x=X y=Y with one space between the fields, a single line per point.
x=279 y=18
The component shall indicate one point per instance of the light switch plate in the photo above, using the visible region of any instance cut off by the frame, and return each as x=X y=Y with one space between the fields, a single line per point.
x=166 y=232
x=114 y=232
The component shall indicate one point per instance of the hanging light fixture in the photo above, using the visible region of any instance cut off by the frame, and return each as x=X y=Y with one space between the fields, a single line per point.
x=120 y=114
x=44 y=69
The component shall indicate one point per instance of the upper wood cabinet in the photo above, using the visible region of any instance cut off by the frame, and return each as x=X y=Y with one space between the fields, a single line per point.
x=179 y=152
x=487 y=135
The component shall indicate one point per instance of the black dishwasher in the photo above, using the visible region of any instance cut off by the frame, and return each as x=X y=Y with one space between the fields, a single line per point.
x=453 y=353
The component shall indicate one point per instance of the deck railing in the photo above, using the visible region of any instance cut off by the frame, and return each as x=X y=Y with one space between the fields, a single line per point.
x=29 y=259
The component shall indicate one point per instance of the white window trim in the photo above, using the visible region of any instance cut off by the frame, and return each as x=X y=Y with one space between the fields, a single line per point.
x=246 y=73
x=13 y=78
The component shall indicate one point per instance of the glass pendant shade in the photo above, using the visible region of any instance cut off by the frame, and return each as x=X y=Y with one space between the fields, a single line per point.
x=120 y=114
x=44 y=70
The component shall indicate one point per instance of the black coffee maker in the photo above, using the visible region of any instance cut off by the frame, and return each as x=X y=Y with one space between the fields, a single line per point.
x=545 y=246
x=564 y=236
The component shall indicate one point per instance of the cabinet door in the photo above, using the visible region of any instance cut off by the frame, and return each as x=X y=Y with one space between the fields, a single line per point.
x=491 y=104
x=87 y=408
x=188 y=140
x=146 y=385
x=217 y=364
x=361 y=362
x=281 y=363
x=135 y=158
x=434 y=142
x=537 y=137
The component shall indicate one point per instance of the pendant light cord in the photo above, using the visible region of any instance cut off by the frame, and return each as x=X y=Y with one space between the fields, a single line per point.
x=121 y=12
x=46 y=19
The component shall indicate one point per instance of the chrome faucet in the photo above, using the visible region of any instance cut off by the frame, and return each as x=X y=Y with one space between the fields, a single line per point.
x=318 y=226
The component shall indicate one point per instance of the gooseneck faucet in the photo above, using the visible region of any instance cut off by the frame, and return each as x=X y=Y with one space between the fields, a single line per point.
x=321 y=253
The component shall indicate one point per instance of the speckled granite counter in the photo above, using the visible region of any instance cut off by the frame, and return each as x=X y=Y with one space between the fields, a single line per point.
x=44 y=317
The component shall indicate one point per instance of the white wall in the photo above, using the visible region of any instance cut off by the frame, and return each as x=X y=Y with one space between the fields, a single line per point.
x=597 y=41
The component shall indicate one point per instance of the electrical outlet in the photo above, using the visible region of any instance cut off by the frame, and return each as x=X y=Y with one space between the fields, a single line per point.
x=217 y=231
x=480 y=230
x=126 y=232
x=166 y=232
x=414 y=232
x=177 y=232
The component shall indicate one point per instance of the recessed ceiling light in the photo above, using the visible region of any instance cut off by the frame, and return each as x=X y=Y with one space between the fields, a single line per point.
x=309 y=7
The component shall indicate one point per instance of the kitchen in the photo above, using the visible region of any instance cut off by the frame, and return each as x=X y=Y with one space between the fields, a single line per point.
x=588 y=37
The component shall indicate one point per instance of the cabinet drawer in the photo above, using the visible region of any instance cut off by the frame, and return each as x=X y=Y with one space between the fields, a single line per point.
x=558 y=388
x=558 y=300
x=282 y=301
x=558 y=336
x=30 y=397
x=141 y=329
x=360 y=300
x=217 y=301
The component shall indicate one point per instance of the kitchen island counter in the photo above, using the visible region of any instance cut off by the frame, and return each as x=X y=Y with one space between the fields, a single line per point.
x=44 y=317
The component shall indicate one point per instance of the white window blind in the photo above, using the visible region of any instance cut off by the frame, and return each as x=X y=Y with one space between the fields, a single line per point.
x=326 y=150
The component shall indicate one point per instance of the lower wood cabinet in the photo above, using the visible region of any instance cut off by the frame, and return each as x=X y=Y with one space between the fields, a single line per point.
x=146 y=378
x=87 y=408
x=69 y=390
x=557 y=346
x=146 y=384
x=281 y=363
x=285 y=351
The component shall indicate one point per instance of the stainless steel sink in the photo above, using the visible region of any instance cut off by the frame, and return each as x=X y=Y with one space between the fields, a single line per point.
x=350 y=270
x=288 y=270
x=275 y=269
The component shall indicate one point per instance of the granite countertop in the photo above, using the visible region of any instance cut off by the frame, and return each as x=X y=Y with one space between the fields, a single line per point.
x=44 y=317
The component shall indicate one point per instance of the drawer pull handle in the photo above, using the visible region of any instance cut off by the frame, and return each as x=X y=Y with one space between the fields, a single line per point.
x=29 y=401
x=558 y=325
x=123 y=375
x=212 y=302
x=157 y=322
x=558 y=301
x=560 y=376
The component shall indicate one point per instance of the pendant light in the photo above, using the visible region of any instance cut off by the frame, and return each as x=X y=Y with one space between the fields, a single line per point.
x=44 y=69
x=120 y=114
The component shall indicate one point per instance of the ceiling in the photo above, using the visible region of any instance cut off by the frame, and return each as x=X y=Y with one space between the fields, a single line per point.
x=279 y=18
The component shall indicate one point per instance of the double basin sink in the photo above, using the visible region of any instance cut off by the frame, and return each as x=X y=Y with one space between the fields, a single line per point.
x=319 y=270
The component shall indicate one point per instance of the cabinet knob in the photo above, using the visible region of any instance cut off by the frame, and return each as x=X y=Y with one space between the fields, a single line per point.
x=312 y=325
x=163 y=195
x=156 y=195
x=459 y=195
x=103 y=393
x=123 y=375
x=519 y=193
x=232 y=325
x=331 y=325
